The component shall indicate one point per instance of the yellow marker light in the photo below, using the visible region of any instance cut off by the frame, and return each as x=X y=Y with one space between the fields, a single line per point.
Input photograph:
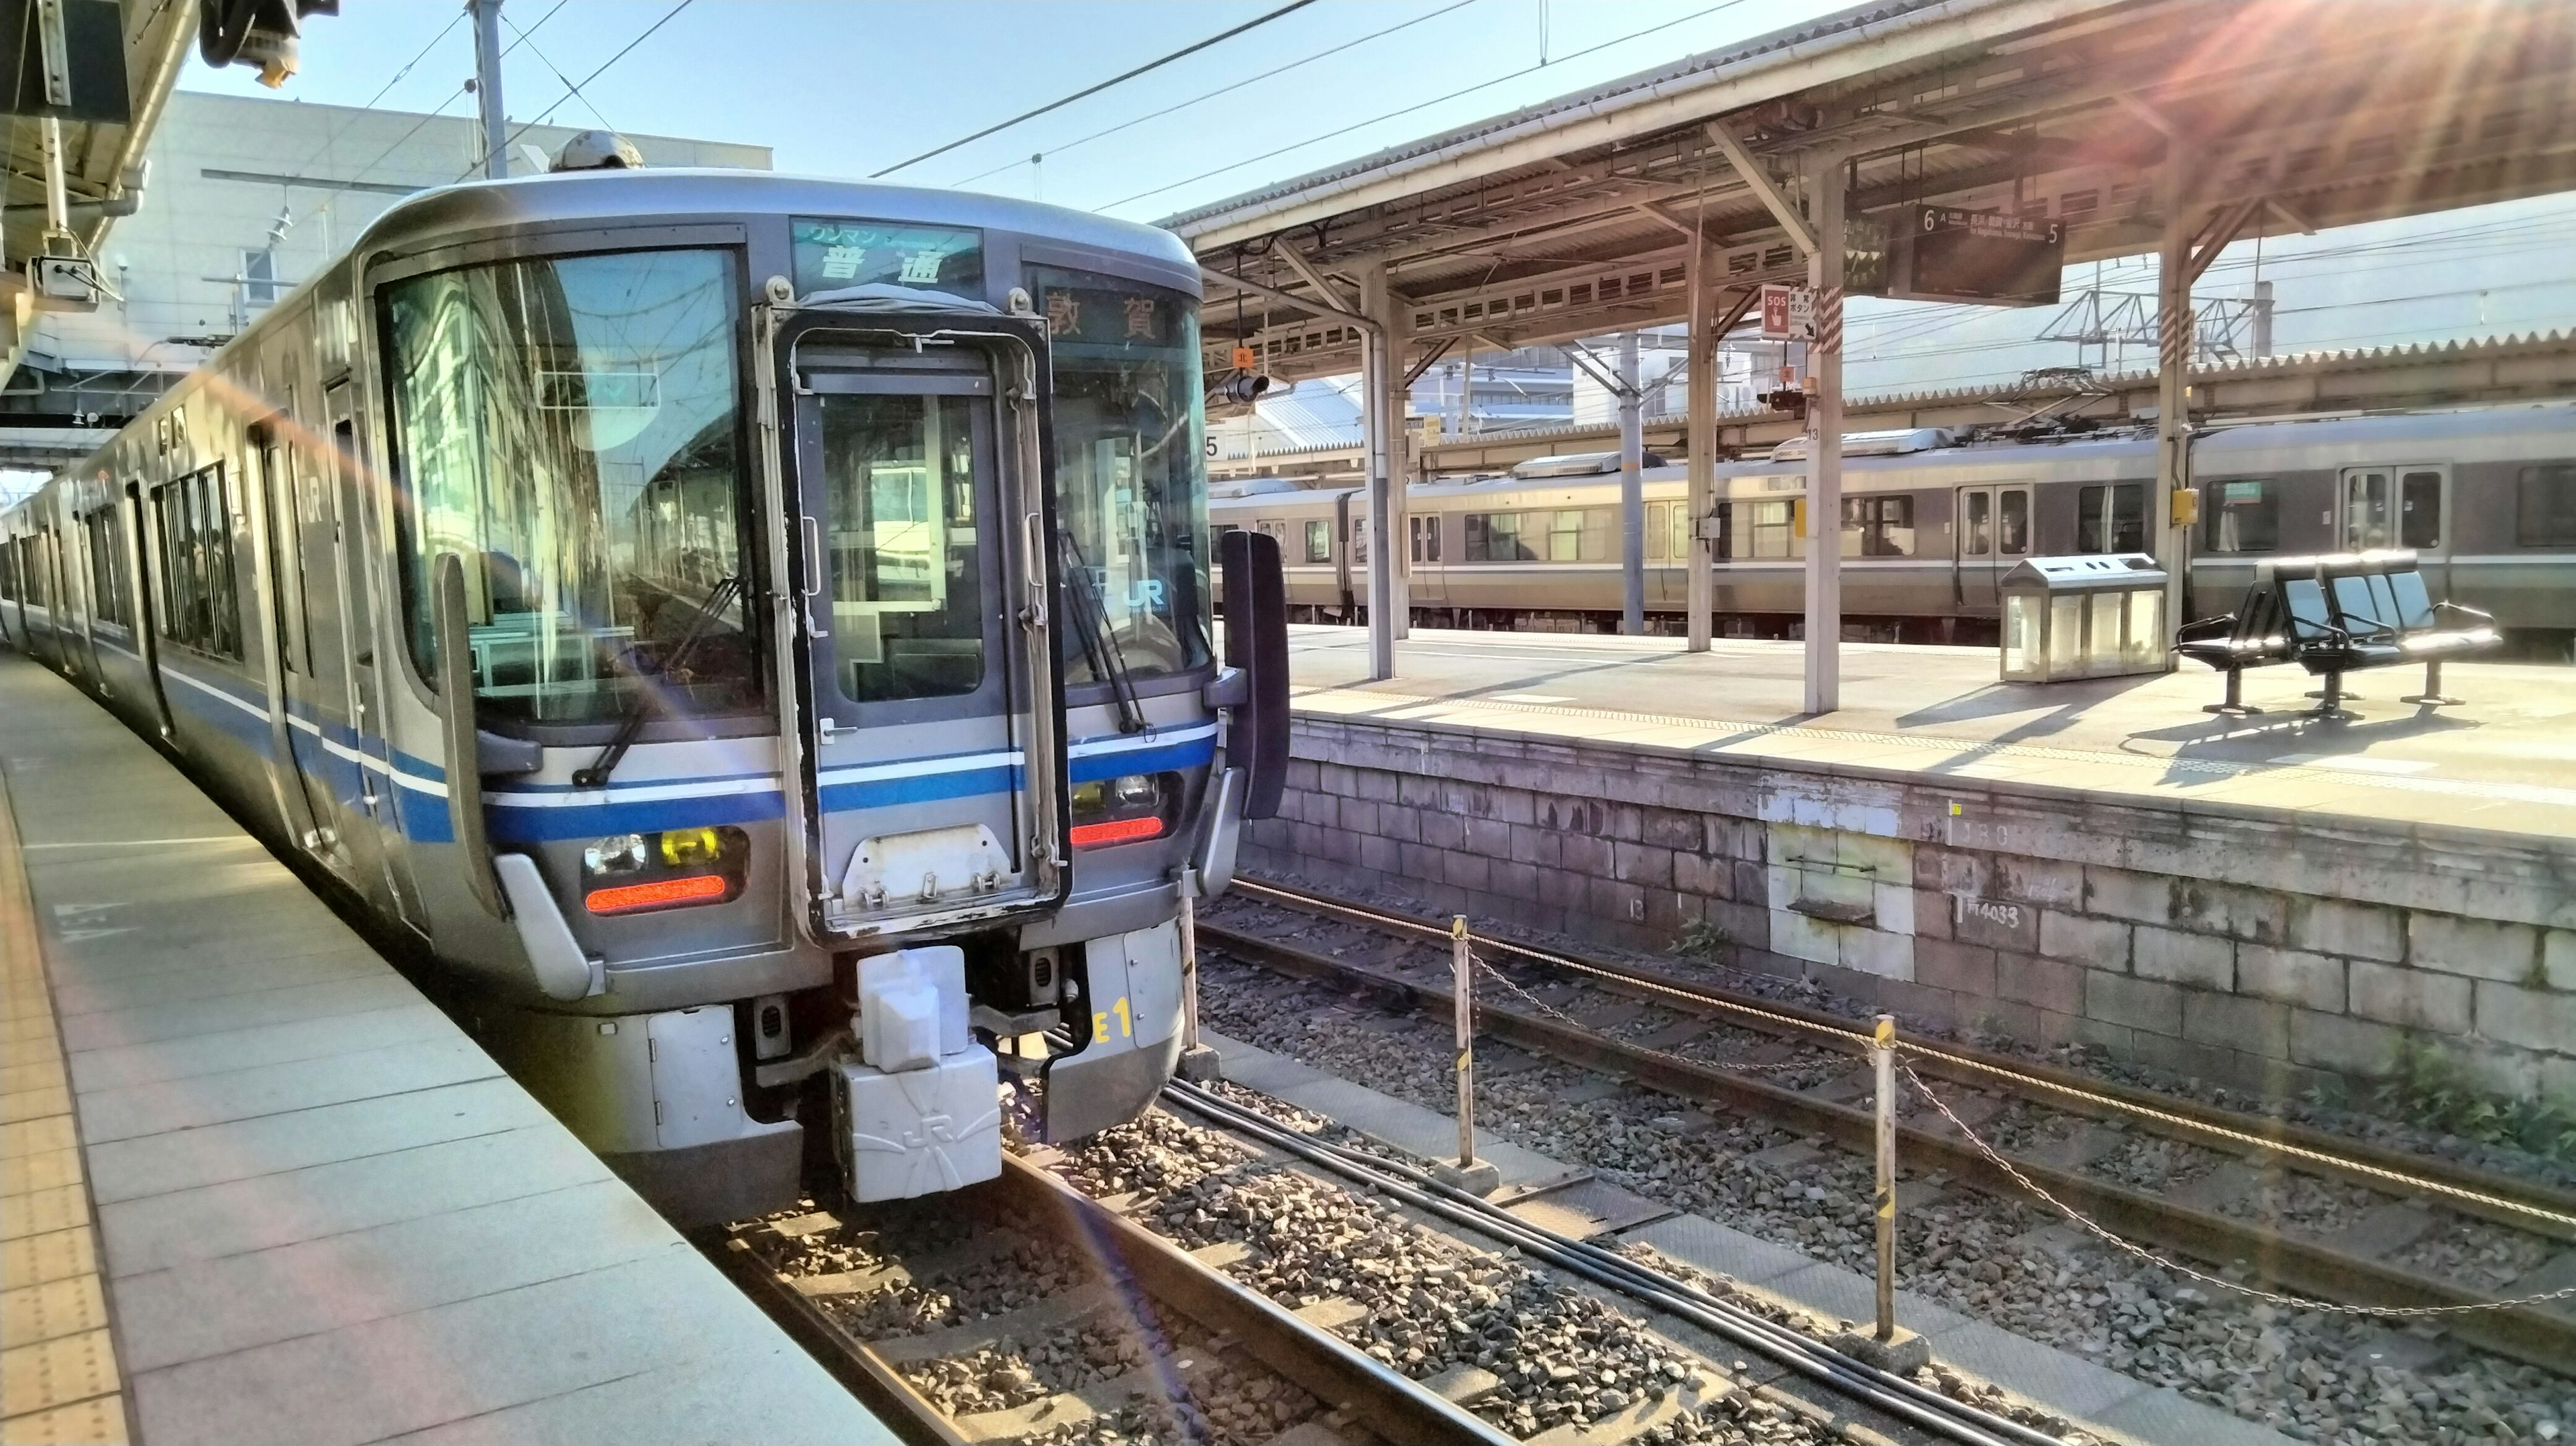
x=690 y=846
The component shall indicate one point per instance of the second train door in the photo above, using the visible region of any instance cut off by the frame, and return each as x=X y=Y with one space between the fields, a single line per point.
x=1989 y=532
x=2406 y=505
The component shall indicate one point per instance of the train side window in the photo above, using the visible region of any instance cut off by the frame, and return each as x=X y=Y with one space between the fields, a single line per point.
x=106 y=568
x=1765 y=529
x=2012 y=521
x=200 y=604
x=2111 y=518
x=2545 y=505
x=1425 y=538
x=1878 y=527
x=2242 y=516
x=1319 y=541
x=1658 y=537
x=2419 y=510
x=1497 y=537
x=1359 y=541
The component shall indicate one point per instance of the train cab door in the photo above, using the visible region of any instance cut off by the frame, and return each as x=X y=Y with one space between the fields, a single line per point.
x=297 y=738
x=933 y=726
x=2406 y=505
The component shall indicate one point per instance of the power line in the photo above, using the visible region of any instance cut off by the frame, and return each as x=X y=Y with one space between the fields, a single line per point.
x=540 y=116
x=451 y=96
x=548 y=63
x=1421 y=105
x=1156 y=64
x=1223 y=89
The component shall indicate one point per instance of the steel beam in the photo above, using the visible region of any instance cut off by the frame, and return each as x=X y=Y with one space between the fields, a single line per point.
x=1825 y=446
x=1758 y=176
x=1632 y=492
x=2174 y=336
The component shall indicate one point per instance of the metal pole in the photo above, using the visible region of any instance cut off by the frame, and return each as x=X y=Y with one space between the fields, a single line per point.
x=1381 y=570
x=1825 y=445
x=1701 y=404
x=1379 y=303
x=1632 y=492
x=1462 y=968
x=1189 y=966
x=1882 y=1058
x=487 y=87
x=2174 y=328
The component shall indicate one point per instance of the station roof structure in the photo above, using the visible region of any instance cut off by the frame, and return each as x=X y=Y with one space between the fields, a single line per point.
x=1574 y=217
x=101 y=158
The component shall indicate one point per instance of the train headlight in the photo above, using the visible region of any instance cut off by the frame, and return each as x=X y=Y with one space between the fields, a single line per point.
x=620 y=854
x=1126 y=809
x=683 y=846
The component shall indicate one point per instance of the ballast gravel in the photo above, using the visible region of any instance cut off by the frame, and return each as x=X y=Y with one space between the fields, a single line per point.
x=2305 y=1372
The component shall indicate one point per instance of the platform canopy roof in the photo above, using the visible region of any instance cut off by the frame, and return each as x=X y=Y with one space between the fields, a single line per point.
x=1574 y=217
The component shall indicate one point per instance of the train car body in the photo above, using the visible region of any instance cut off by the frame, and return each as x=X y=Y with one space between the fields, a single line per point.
x=2486 y=497
x=829 y=570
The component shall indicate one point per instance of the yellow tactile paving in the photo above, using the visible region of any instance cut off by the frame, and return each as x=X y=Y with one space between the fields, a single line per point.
x=41 y=1259
x=98 y=1422
x=39 y=1170
x=58 y=1377
x=50 y=1374
x=49 y=1312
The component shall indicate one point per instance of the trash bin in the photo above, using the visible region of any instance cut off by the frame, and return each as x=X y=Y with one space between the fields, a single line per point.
x=2083 y=617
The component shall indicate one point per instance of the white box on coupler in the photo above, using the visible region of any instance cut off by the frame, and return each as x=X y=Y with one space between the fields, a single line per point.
x=919 y=1131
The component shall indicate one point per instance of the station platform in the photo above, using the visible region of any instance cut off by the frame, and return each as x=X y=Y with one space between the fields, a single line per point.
x=256 y=1188
x=2503 y=760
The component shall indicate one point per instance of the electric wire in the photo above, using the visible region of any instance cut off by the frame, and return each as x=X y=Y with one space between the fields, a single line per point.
x=1157 y=63
x=1226 y=89
x=548 y=62
x=540 y=117
x=1420 y=105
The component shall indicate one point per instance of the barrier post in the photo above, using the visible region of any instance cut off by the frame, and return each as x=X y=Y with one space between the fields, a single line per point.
x=1463 y=972
x=1882 y=1053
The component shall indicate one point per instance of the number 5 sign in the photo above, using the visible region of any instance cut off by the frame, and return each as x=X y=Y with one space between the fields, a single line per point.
x=1788 y=313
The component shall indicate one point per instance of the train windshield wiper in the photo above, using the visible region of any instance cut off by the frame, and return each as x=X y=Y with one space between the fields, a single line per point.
x=1099 y=640
x=728 y=589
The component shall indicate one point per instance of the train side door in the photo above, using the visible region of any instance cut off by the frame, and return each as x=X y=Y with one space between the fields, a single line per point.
x=1430 y=582
x=1989 y=532
x=928 y=724
x=351 y=718
x=2406 y=505
x=296 y=727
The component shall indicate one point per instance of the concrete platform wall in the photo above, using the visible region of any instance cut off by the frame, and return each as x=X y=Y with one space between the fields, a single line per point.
x=2259 y=950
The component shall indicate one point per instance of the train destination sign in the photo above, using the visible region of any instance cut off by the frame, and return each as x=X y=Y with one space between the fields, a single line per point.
x=831 y=255
x=1946 y=253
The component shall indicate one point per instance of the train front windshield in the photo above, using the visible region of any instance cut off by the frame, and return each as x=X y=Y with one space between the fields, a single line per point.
x=1131 y=480
x=569 y=427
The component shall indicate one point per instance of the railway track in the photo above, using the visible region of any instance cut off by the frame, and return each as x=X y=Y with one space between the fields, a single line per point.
x=2284 y=1207
x=1039 y=1312
x=1217 y=1273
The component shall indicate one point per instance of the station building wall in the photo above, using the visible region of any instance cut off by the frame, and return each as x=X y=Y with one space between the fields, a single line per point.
x=2261 y=950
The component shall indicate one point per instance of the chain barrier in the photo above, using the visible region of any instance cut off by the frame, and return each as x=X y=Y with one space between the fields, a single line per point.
x=1495 y=973
x=2417 y=1184
x=2103 y=1233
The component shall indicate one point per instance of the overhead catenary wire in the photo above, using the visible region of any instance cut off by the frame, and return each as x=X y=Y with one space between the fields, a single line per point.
x=1156 y=63
x=1229 y=88
x=1421 y=105
x=575 y=87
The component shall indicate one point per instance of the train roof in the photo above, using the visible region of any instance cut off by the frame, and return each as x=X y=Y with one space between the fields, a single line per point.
x=680 y=192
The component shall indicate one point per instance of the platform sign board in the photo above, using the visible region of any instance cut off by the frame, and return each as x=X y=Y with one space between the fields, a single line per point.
x=1788 y=313
x=1945 y=253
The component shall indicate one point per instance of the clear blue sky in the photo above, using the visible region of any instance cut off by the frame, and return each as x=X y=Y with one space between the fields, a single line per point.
x=846 y=88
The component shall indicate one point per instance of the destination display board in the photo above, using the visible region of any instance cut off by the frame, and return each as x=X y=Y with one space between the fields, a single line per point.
x=1945 y=253
x=831 y=255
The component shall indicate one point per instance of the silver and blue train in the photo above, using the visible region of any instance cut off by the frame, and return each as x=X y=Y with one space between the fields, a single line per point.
x=747 y=639
x=1931 y=521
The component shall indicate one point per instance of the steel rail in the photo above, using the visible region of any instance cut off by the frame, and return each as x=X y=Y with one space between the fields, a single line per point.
x=2540 y=1337
x=1137 y=1261
x=1881 y=1390
x=2501 y=1199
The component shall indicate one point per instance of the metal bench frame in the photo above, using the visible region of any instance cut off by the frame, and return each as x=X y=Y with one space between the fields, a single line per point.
x=2335 y=615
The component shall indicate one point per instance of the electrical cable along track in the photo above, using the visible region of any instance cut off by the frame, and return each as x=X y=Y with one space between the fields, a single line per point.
x=2365 y=1257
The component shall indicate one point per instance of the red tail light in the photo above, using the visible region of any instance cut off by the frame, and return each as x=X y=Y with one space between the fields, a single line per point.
x=695 y=889
x=1117 y=830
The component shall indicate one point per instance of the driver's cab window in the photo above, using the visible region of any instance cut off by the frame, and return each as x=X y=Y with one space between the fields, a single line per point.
x=900 y=474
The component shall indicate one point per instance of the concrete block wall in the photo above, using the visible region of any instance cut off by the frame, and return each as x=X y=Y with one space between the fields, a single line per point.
x=2261 y=950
